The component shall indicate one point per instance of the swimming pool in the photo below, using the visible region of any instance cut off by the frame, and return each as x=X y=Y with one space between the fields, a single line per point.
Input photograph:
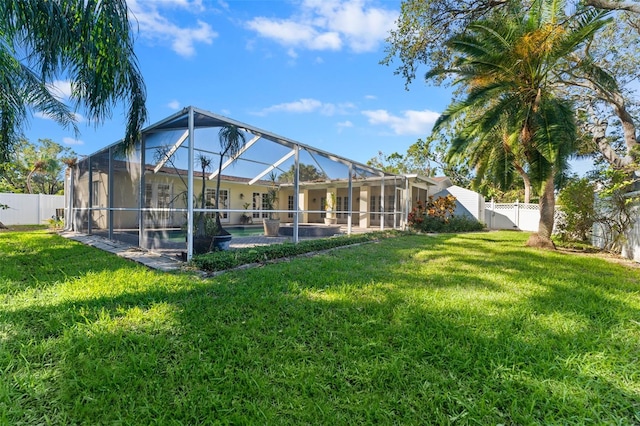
x=180 y=235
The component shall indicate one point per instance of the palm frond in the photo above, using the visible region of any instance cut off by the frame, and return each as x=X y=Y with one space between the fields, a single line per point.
x=88 y=41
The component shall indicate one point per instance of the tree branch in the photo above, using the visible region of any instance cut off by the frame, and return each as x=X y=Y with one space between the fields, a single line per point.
x=614 y=5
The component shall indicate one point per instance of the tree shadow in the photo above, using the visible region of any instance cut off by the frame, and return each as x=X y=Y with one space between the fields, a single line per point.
x=41 y=260
x=353 y=336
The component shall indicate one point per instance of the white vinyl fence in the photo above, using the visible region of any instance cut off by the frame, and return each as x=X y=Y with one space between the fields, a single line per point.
x=520 y=216
x=30 y=209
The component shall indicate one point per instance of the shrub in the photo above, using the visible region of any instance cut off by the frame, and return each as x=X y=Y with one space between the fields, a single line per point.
x=222 y=260
x=55 y=223
x=463 y=224
x=441 y=208
x=577 y=212
x=455 y=224
x=436 y=215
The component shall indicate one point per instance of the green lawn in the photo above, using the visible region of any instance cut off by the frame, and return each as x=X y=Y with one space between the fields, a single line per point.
x=453 y=329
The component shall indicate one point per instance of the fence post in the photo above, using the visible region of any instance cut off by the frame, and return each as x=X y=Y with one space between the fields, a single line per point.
x=493 y=212
x=516 y=212
x=39 y=209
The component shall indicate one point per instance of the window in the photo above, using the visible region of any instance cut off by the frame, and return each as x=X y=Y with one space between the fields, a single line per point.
x=148 y=195
x=257 y=204
x=339 y=206
x=290 y=206
x=164 y=195
x=95 y=193
x=158 y=196
x=265 y=205
x=323 y=207
x=345 y=206
x=373 y=207
x=210 y=199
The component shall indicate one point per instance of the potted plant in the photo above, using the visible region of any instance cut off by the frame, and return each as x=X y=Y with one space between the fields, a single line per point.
x=202 y=238
x=245 y=219
x=231 y=140
x=272 y=223
x=330 y=204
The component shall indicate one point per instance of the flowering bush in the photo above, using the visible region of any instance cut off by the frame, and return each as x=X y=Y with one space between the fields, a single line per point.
x=440 y=208
x=436 y=215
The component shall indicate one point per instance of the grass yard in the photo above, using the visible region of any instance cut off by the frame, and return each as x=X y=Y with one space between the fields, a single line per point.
x=452 y=329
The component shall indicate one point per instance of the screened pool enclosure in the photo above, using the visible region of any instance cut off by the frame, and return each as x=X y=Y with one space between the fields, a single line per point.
x=151 y=195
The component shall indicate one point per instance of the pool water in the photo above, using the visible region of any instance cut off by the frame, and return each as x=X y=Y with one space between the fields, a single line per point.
x=179 y=235
x=245 y=231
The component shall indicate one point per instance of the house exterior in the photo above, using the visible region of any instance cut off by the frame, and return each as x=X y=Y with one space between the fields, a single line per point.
x=468 y=203
x=155 y=188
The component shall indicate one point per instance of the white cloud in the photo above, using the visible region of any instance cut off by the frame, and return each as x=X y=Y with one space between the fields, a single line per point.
x=61 y=89
x=344 y=125
x=307 y=105
x=370 y=97
x=185 y=4
x=71 y=141
x=410 y=123
x=158 y=28
x=223 y=4
x=294 y=34
x=174 y=104
x=78 y=117
x=329 y=25
x=301 y=106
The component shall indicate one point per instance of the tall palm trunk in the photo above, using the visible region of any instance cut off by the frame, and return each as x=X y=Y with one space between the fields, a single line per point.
x=526 y=180
x=547 y=217
x=37 y=166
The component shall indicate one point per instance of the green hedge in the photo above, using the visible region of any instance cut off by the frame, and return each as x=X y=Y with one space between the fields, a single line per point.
x=223 y=260
x=455 y=224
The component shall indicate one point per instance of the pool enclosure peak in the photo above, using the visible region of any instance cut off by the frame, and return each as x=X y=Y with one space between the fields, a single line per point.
x=168 y=182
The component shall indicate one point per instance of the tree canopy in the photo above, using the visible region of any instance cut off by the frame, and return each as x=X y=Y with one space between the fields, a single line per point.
x=89 y=43
x=511 y=112
x=307 y=173
x=596 y=79
x=36 y=168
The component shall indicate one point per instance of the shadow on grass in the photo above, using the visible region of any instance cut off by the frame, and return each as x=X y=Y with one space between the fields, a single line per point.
x=40 y=260
x=405 y=331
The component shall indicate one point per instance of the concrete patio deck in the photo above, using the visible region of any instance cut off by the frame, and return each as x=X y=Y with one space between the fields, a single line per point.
x=170 y=259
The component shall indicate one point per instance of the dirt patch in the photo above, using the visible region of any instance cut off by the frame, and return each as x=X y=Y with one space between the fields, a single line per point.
x=23 y=228
x=609 y=257
x=537 y=241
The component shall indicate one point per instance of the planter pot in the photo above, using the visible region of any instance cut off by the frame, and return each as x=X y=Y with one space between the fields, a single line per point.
x=221 y=242
x=330 y=220
x=203 y=245
x=271 y=227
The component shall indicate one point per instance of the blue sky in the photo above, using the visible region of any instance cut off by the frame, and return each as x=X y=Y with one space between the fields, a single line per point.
x=308 y=70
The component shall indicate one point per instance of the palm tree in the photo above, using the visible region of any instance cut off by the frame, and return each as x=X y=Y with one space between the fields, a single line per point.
x=495 y=156
x=87 y=41
x=231 y=140
x=38 y=166
x=205 y=163
x=508 y=66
